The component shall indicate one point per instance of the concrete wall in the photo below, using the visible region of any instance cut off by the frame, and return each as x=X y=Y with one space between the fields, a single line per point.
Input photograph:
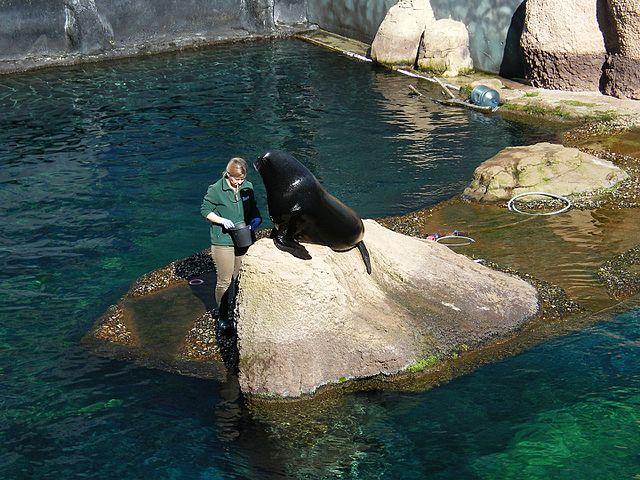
x=357 y=19
x=494 y=25
x=494 y=31
x=38 y=26
x=135 y=21
x=31 y=27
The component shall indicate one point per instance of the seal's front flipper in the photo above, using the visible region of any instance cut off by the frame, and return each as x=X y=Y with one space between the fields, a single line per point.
x=292 y=247
x=365 y=255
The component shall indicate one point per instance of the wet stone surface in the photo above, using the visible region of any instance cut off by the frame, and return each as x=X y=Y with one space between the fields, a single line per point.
x=609 y=141
x=200 y=342
x=555 y=302
x=112 y=327
x=173 y=273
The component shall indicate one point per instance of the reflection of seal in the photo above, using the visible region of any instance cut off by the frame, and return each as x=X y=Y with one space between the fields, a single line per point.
x=303 y=211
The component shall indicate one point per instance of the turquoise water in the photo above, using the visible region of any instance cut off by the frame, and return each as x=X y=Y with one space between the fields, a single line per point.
x=102 y=170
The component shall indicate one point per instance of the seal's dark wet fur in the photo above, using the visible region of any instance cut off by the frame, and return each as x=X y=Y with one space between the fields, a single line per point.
x=303 y=211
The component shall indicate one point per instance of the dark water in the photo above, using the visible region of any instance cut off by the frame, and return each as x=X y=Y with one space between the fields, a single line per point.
x=102 y=170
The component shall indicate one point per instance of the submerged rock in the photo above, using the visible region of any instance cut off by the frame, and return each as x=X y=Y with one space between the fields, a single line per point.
x=541 y=167
x=304 y=324
x=621 y=274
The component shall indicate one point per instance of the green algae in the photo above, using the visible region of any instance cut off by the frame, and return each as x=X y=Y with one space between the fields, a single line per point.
x=569 y=442
x=423 y=364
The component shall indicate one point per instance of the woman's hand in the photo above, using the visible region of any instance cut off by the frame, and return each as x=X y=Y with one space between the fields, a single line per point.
x=226 y=223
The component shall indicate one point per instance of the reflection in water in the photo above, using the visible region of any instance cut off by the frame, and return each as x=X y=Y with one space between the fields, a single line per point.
x=565 y=249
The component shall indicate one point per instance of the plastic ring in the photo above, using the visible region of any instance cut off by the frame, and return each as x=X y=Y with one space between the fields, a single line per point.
x=513 y=208
x=196 y=281
x=467 y=240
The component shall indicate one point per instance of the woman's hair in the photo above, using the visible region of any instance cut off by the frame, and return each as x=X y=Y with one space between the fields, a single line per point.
x=237 y=167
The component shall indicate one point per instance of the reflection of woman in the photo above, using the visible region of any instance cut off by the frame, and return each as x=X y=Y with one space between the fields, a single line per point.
x=228 y=201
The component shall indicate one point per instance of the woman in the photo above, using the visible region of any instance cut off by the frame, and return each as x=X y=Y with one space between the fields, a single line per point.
x=228 y=201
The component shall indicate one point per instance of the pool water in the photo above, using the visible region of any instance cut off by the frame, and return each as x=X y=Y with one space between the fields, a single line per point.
x=102 y=171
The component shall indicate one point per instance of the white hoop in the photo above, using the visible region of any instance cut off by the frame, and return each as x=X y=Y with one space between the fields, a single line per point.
x=467 y=240
x=511 y=206
x=196 y=281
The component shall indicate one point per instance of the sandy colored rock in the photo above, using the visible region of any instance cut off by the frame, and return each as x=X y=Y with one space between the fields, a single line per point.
x=543 y=167
x=303 y=324
x=444 y=48
x=562 y=44
x=494 y=83
x=398 y=36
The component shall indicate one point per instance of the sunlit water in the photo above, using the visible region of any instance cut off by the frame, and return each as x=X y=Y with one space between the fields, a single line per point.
x=102 y=170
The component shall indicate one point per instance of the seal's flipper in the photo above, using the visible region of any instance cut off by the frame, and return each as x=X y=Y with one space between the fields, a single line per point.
x=365 y=255
x=291 y=246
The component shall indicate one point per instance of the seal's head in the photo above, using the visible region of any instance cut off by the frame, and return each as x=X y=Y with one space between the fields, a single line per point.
x=282 y=174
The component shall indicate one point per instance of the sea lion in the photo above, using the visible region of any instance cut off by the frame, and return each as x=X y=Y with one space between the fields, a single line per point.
x=303 y=211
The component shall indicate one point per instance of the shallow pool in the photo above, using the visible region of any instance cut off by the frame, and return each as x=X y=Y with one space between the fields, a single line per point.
x=102 y=170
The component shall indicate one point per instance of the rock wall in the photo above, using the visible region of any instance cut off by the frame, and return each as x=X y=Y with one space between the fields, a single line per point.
x=563 y=45
x=33 y=28
x=621 y=73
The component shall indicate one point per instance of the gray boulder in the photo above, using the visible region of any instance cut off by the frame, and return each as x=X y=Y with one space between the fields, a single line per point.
x=398 y=37
x=562 y=44
x=304 y=324
x=543 y=167
x=622 y=70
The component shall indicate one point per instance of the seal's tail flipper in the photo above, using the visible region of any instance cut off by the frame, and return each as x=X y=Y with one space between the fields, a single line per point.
x=365 y=256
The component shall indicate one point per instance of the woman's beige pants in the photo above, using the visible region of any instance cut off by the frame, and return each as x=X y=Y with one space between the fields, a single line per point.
x=227 y=261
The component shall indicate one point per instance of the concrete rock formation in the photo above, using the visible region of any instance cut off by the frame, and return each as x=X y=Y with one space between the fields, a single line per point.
x=621 y=75
x=562 y=44
x=398 y=37
x=304 y=324
x=87 y=31
x=541 y=167
x=444 y=48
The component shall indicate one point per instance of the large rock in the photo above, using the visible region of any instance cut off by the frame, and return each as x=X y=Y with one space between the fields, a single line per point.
x=398 y=37
x=622 y=70
x=541 y=167
x=444 y=48
x=562 y=44
x=303 y=324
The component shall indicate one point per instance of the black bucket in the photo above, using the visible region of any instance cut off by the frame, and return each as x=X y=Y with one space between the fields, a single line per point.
x=241 y=235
